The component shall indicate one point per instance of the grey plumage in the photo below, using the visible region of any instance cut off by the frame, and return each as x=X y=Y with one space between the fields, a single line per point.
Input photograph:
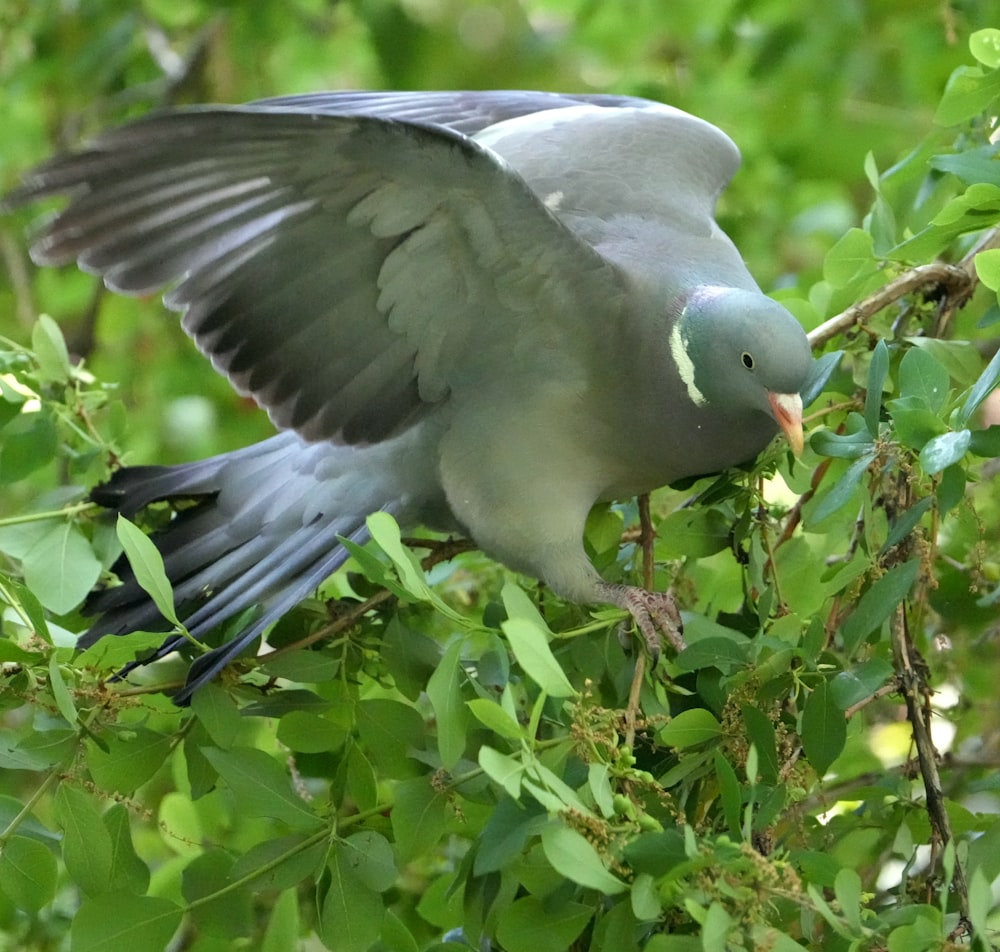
x=480 y=311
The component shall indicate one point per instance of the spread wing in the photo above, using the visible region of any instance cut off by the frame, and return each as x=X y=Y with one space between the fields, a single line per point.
x=341 y=269
x=348 y=258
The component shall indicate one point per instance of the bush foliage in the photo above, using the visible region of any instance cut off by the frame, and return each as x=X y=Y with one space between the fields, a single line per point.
x=438 y=754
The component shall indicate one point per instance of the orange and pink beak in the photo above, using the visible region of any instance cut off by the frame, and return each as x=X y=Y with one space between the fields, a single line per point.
x=787 y=409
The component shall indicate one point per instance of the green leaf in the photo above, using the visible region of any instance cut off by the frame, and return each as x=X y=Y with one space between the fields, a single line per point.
x=30 y=441
x=959 y=357
x=282 y=932
x=730 y=794
x=361 y=781
x=551 y=791
x=61 y=568
x=951 y=489
x=862 y=681
x=351 y=914
x=282 y=863
x=726 y=654
x=24 y=600
x=645 y=899
x=766 y=937
x=843 y=490
x=385 y=532
x=574 y=857
x=820 y=372
x=850 y=256
x=924 y=934
x=599 y=784
x=968 y=92
x=222 y=914
x=842 y=446
x=311 y=733
x=492 y=716
x=692 y=533
x=881 y=220
x=147 y=566
x=878 y=603
x=120 y=922
x=988 y=262
x=906 y=522
x=419 y=817
x=985 y=47
x=87 y=847
x=980 y=902
x=451 y=715
x=508 y=829
x=370 y=856
x=690 y=728
x=924 y=378
x=128 y=872
x=760 y=731
x=396 y=937
x=38 y=751
x=878 y=370
x=531 y=925
x=981 y=389
x=28 y=874
x=986 y=442
x=715 y=929
x=49 y=345
x=973 y=165
x=824 y=729
x=63 y=699
x=529 y=642
x=943 y=450
x=262 y=786
x=391 y=731
x=219 y=715
x=502 y=769
x=132 y=756
x=847 y=889
x=914 y=425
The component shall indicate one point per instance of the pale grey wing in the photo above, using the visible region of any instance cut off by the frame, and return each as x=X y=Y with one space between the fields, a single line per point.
x=342 y=270
x=466 y=112
x=595 y=167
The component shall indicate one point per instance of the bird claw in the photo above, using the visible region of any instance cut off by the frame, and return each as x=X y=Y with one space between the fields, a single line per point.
x=655 y=614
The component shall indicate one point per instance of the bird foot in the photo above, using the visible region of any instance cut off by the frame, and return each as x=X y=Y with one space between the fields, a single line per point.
x=655 y=614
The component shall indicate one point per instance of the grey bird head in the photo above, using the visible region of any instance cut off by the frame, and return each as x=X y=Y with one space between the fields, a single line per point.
x=742 y=354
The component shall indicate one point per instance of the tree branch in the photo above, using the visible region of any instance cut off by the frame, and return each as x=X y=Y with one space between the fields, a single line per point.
x=957 y=281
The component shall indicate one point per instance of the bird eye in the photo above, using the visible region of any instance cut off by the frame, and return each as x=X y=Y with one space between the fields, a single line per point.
x=747 y=358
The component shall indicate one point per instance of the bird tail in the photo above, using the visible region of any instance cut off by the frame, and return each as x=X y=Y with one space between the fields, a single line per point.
x=256 y=529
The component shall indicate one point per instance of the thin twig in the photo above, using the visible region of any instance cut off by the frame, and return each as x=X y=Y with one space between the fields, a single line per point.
x=909 y=668
x=646 y=538
x=955 y=279
x=958 y=281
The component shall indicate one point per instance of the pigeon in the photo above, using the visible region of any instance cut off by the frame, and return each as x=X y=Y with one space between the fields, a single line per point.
x=480 y=312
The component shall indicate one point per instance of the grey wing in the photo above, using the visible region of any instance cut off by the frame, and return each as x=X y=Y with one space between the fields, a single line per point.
x=596 y=167
x=342 y=270
x=466 y=112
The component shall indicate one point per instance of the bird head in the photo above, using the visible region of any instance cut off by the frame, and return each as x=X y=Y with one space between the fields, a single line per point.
x=742 y=354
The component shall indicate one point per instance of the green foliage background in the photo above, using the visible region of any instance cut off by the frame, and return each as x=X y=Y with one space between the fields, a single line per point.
x=456 y=749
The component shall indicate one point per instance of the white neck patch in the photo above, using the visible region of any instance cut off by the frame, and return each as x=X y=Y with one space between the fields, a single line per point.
x=685 y=366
